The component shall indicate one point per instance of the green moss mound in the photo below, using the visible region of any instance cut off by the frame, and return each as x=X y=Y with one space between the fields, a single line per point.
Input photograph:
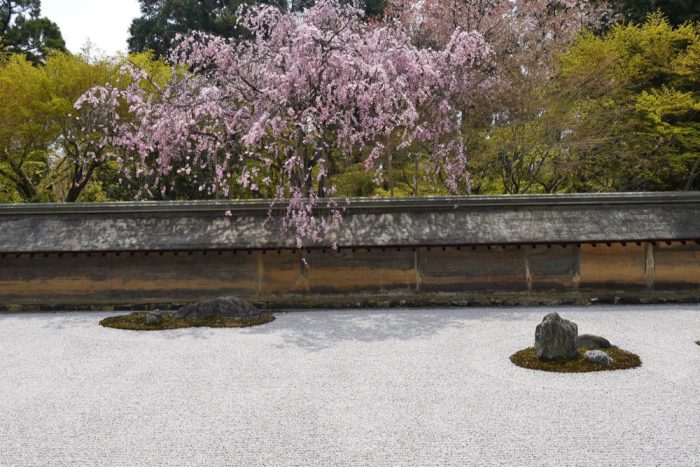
x=135 y=322
x=622 y=360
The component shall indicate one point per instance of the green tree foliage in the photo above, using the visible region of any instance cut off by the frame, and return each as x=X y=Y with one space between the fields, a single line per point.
x=527 y=146
x=49 y=150
x=23 y=135
x=635 y=98
x=162 y=20
x=619 y=112
x=24 y=31
x=373 y=8
x=677 y=11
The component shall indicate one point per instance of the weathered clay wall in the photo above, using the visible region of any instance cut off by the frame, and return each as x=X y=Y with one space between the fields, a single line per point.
x=405 y=276
x=462 y=270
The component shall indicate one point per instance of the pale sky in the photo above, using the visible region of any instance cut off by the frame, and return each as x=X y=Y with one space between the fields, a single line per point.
x=105 y=22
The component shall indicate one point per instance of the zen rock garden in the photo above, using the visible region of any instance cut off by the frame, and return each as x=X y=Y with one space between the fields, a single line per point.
x=559 y=348
x=223 y=312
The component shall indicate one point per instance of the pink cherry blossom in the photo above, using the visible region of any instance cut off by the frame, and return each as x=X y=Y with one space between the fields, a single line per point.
x=268 y=114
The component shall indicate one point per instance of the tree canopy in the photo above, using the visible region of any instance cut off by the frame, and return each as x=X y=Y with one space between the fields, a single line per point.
x=676 y=11
x=305 y=101
x=24 y=31
x=49 y=150
x=275 y=113
x=635 y=98
x=162 y=20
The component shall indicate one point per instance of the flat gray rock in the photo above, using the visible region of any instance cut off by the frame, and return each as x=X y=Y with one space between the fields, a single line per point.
x=598 y=356
x=590 y=341
x=555 y=338
x=223 y=307
x=153 y=318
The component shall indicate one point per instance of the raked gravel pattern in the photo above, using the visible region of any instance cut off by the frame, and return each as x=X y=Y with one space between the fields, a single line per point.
x=396 y=387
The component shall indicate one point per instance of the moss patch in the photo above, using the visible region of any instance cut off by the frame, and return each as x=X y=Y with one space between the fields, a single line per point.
x=135 y=321
x=622 y=360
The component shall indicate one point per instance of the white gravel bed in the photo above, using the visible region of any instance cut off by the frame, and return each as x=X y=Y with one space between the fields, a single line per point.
x=396 y=387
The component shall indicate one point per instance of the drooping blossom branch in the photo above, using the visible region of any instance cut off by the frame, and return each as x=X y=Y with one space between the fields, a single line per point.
x=270 y=114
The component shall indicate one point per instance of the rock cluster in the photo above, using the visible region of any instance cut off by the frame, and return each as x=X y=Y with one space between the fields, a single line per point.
x=223 y=307
x=555 y=338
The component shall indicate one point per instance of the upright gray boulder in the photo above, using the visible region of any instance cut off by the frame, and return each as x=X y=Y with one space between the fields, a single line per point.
x=223 y=307
x=555 y=338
